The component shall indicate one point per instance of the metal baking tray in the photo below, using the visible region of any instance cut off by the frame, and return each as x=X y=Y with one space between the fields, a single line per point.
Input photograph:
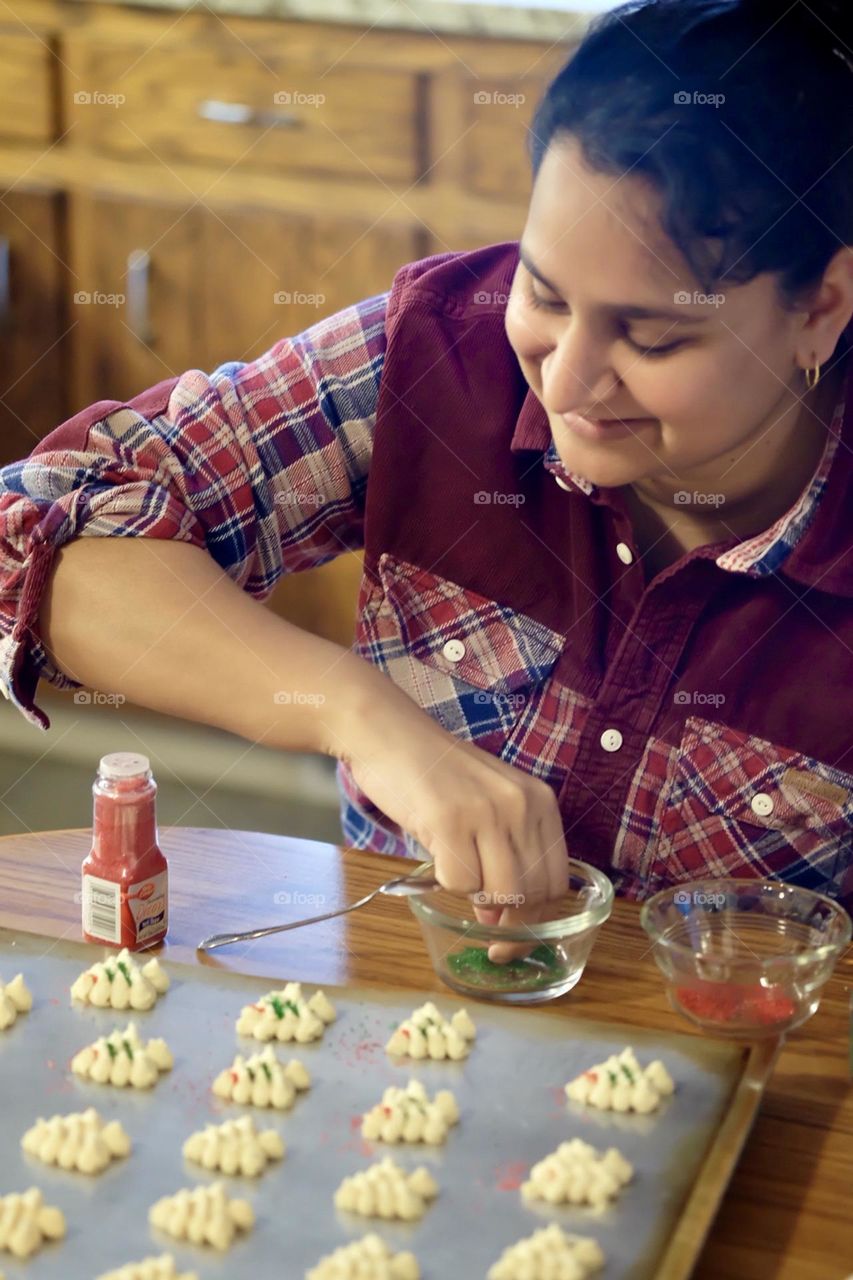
x=513 y=1112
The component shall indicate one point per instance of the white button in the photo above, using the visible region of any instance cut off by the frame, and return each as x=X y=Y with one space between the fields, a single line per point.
x=611 y=739
x=624 y=552
x=564 y=484
x=454 y=650
x=762 y=804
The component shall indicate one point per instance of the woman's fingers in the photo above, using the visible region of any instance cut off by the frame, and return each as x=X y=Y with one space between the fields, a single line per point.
x=517 y=918
x=555 y=852
x=488 y=915
x=456 y=859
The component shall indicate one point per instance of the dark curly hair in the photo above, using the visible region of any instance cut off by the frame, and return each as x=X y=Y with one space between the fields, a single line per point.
x=760 y=180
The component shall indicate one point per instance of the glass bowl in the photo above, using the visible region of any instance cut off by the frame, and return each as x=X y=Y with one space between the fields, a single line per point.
x=745 y=958
x=558 y=946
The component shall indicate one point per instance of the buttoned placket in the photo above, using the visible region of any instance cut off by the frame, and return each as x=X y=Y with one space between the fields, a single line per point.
x=639 y=678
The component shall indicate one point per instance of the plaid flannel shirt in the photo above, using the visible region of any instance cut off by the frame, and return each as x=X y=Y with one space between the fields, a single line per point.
x=325 y=444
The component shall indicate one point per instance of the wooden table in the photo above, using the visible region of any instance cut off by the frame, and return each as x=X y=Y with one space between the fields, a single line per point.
x=788 y=1213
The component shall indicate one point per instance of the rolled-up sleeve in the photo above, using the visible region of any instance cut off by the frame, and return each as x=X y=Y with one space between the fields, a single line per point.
x=264 y=464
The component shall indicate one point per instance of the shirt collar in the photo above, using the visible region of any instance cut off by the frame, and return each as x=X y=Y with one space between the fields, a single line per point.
x=533 y=431
x=811 y=543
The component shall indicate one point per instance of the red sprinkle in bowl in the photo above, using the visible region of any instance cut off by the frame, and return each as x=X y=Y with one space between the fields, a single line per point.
x=745 y=958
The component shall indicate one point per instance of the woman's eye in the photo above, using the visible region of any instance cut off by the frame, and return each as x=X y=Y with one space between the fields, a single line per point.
x=549 y=304
x=653 y=352
x=545 y=303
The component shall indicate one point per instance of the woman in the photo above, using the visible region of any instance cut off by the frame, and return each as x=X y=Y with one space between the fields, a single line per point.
x=602 y=484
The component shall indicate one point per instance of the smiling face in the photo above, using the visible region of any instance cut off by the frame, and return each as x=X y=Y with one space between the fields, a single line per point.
x=702 y=392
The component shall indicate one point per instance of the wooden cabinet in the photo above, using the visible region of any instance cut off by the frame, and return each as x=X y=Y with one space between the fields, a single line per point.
x=277 y=273
x=264 y=109
x=186 y=188
x=275 y=276
x=135 y=303
x=33 y=292
x=28 y=75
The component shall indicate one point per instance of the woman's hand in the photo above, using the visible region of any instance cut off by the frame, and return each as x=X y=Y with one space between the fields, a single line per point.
x=490 y=829
x=515 y=917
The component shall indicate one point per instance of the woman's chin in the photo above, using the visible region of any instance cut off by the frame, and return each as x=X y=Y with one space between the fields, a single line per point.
x=608 y=463
x=608 y=470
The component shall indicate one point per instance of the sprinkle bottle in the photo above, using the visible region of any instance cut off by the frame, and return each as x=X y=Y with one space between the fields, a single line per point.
x=125 y=877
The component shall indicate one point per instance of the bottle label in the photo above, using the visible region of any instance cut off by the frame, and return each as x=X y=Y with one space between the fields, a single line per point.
x=148 y=902
x=101 y=908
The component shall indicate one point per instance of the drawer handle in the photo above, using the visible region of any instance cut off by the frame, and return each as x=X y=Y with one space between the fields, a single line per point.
x=242 y=113
x=5 y=282
x=138 y=268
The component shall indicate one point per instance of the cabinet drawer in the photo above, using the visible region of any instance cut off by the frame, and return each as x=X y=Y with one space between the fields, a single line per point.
x=225 y=106
x=26 y=93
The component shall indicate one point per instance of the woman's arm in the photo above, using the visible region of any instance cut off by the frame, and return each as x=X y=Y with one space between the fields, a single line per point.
x=163 y=625
x=261 y=466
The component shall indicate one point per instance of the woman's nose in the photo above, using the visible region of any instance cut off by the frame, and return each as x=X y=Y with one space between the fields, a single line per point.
x=576 y=375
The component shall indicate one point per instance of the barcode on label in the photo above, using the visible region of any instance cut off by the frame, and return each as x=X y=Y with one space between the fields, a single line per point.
x=101 y=909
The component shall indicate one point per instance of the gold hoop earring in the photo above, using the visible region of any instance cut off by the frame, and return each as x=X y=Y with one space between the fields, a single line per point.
x=812 y=377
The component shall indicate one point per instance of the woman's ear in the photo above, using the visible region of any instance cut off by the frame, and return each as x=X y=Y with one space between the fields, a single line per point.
x=828 y=312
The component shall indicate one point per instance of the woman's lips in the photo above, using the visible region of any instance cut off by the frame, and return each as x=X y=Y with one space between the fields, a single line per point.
x=605 y=428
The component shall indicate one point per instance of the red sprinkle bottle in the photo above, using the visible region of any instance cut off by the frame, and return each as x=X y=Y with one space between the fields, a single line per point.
x=126 y=876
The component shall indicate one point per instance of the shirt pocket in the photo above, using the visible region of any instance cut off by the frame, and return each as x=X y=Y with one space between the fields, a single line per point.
x=475 y=665
x=738 y=804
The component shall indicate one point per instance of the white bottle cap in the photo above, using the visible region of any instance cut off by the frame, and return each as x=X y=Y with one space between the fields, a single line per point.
x=124 y=764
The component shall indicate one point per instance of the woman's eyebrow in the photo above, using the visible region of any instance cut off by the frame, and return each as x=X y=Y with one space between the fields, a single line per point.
x=625 y=309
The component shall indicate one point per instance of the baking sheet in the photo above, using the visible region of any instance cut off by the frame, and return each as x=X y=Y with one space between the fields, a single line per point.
x=513 y=1112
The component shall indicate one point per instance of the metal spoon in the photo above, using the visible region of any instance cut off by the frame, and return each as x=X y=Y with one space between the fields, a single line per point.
x=420 y=881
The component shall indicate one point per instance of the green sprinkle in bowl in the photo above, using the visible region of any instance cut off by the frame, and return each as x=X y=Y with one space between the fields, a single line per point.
x=557 y=947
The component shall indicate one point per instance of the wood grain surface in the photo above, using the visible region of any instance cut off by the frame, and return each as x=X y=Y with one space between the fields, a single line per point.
x=788 y=1212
